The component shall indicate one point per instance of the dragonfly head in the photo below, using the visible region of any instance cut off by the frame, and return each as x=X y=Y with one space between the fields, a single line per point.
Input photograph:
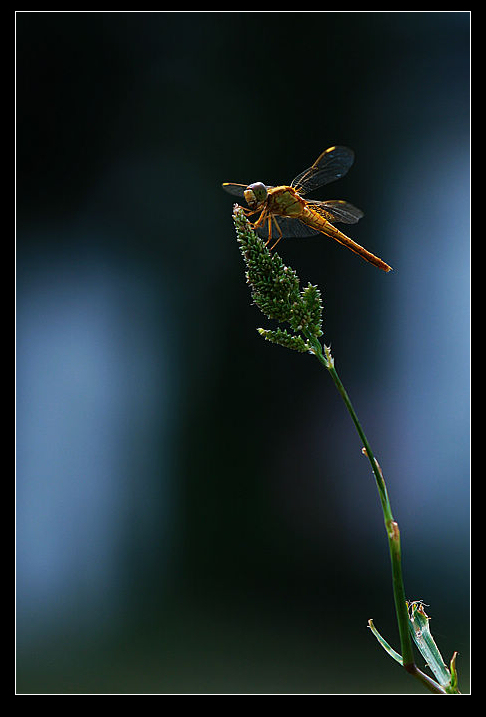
x=255 y=194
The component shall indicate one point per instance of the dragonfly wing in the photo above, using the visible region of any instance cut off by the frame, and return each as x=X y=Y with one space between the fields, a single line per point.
x=236 y=189
x=332 y=164
x=336 y=210
x=290 y=227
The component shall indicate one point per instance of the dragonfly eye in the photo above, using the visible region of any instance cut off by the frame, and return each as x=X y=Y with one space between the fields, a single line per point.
x=255 y=194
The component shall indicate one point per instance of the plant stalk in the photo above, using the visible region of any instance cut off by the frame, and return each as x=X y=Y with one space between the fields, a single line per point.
x=391 y=525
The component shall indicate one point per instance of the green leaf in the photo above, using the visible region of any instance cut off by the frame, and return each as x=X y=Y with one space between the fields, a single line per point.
x=384 y=643
x=420 y=631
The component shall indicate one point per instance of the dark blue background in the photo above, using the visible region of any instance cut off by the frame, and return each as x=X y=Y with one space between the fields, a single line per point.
x=194 y=514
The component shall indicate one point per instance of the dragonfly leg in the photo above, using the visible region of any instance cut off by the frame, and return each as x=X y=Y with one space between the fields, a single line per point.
x=261 y=218
x=270 y=234
x=265 y=216
x=269 y=229
x=248 y=212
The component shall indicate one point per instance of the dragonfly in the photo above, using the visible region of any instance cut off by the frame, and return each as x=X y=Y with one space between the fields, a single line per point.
x=284 y=212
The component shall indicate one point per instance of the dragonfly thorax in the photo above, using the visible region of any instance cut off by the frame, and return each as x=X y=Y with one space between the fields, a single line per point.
x=255 y=194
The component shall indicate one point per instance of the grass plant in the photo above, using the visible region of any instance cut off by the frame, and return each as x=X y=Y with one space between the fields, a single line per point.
x=276 y=291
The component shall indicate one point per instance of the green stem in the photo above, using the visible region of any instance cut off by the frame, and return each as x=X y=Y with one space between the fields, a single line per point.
x=391 y=525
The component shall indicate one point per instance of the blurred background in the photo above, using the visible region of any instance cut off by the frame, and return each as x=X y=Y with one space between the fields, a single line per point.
x=194 y=515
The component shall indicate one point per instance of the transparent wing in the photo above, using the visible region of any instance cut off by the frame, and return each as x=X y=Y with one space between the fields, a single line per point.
x=336 y=210
x=289 y=227
x=236 y=189
x=332 y=164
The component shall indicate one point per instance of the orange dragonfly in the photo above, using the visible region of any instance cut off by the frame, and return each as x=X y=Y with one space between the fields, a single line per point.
x=285 y=213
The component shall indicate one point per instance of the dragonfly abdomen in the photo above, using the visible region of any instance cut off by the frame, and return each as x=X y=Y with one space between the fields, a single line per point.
x=316 y=221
